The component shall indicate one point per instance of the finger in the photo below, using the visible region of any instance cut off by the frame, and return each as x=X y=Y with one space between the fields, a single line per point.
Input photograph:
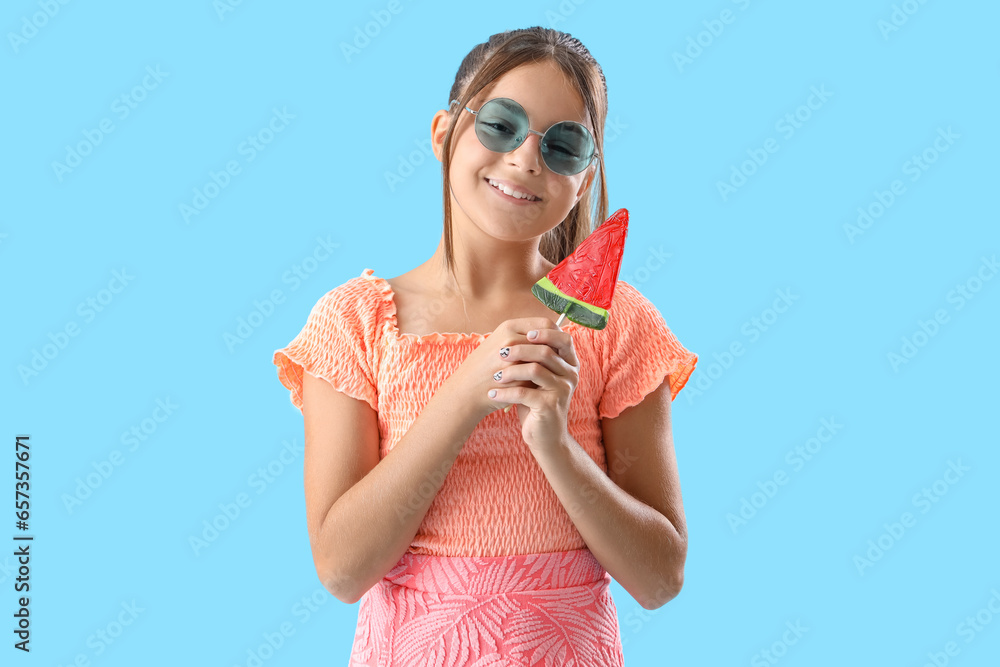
x=510 y=396
x=523 y=325
x=547 y=356
x=558 y=340
x=532 y=372
x=508 y=408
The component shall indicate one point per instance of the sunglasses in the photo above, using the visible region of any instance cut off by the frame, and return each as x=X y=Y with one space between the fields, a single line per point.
x=502 y=125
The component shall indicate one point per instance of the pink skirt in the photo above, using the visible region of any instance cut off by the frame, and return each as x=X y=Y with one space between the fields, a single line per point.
x=533 y=609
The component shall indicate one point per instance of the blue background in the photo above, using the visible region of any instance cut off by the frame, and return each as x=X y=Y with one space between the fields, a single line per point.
x=676 y=130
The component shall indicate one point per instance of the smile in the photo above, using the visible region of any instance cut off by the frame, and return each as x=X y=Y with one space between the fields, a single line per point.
x=510 y=193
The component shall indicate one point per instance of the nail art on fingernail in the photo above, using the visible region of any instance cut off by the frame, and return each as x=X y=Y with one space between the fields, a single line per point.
x=496 y=376
x=504 y=351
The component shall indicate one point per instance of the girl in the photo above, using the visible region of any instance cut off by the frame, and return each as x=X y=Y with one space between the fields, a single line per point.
x=472 y=535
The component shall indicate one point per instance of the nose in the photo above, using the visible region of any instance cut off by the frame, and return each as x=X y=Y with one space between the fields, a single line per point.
x=529 y=154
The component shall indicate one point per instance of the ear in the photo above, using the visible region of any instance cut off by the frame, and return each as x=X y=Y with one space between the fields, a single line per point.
x=591 y=172
x=439 y=127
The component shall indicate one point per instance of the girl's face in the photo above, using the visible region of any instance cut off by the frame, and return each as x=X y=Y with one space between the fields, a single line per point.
x=548 y=97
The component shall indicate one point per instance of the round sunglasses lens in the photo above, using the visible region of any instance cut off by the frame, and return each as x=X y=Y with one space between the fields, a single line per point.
x=567 y=148
x=501 y=125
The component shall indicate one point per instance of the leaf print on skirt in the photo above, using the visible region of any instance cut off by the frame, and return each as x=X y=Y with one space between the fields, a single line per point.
x=552 y=609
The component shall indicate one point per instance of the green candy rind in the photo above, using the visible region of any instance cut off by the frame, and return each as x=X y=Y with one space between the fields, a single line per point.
x=578 y=311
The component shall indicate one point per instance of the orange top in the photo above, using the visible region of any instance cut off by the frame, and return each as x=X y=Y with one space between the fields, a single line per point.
x=495 y=500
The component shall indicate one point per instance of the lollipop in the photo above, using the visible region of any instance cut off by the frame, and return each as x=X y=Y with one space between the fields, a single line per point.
x=581 y=286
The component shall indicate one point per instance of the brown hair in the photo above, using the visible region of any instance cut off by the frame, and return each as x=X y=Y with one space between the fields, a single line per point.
x=486 y=63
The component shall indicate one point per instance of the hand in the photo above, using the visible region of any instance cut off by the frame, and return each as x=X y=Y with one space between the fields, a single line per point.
x=469 y=383
x=549 y=366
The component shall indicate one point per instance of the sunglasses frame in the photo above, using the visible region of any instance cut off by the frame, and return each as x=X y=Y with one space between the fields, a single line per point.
x=540 y=134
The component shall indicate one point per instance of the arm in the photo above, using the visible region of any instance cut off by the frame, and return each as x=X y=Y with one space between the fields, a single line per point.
x=632 y=519
x=362 y=513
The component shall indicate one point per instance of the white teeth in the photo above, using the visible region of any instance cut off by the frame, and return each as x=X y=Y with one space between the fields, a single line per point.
x=511 y=191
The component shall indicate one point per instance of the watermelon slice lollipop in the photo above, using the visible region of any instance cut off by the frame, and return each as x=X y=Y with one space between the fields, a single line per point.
x=581 y=286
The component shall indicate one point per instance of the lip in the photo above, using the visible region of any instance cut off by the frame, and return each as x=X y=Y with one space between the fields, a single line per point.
x=515 y=186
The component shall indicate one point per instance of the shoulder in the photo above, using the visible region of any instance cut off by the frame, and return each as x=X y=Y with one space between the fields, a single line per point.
x=356 y=304
x=630 y=308
x=633 y=321
x=626 y=294
x=638 y=350
x=359 y=293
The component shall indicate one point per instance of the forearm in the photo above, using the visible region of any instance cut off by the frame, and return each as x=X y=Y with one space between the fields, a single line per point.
x=372 y=525
x=635 y=543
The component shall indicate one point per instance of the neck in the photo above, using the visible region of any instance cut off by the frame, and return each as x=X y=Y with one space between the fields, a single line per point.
x=490 y=277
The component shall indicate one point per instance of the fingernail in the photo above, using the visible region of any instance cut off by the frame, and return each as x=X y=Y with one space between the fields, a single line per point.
x=493 y=393
x=532 y=334
x=497 y=375
x=504 y=351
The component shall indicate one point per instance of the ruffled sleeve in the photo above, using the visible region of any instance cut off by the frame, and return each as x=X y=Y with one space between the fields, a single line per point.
x=638 y=350
x=336 y=344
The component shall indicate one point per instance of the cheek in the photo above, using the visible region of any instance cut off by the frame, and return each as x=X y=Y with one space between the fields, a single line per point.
x=562 y=189
x=469 y=158
x=471 y=147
